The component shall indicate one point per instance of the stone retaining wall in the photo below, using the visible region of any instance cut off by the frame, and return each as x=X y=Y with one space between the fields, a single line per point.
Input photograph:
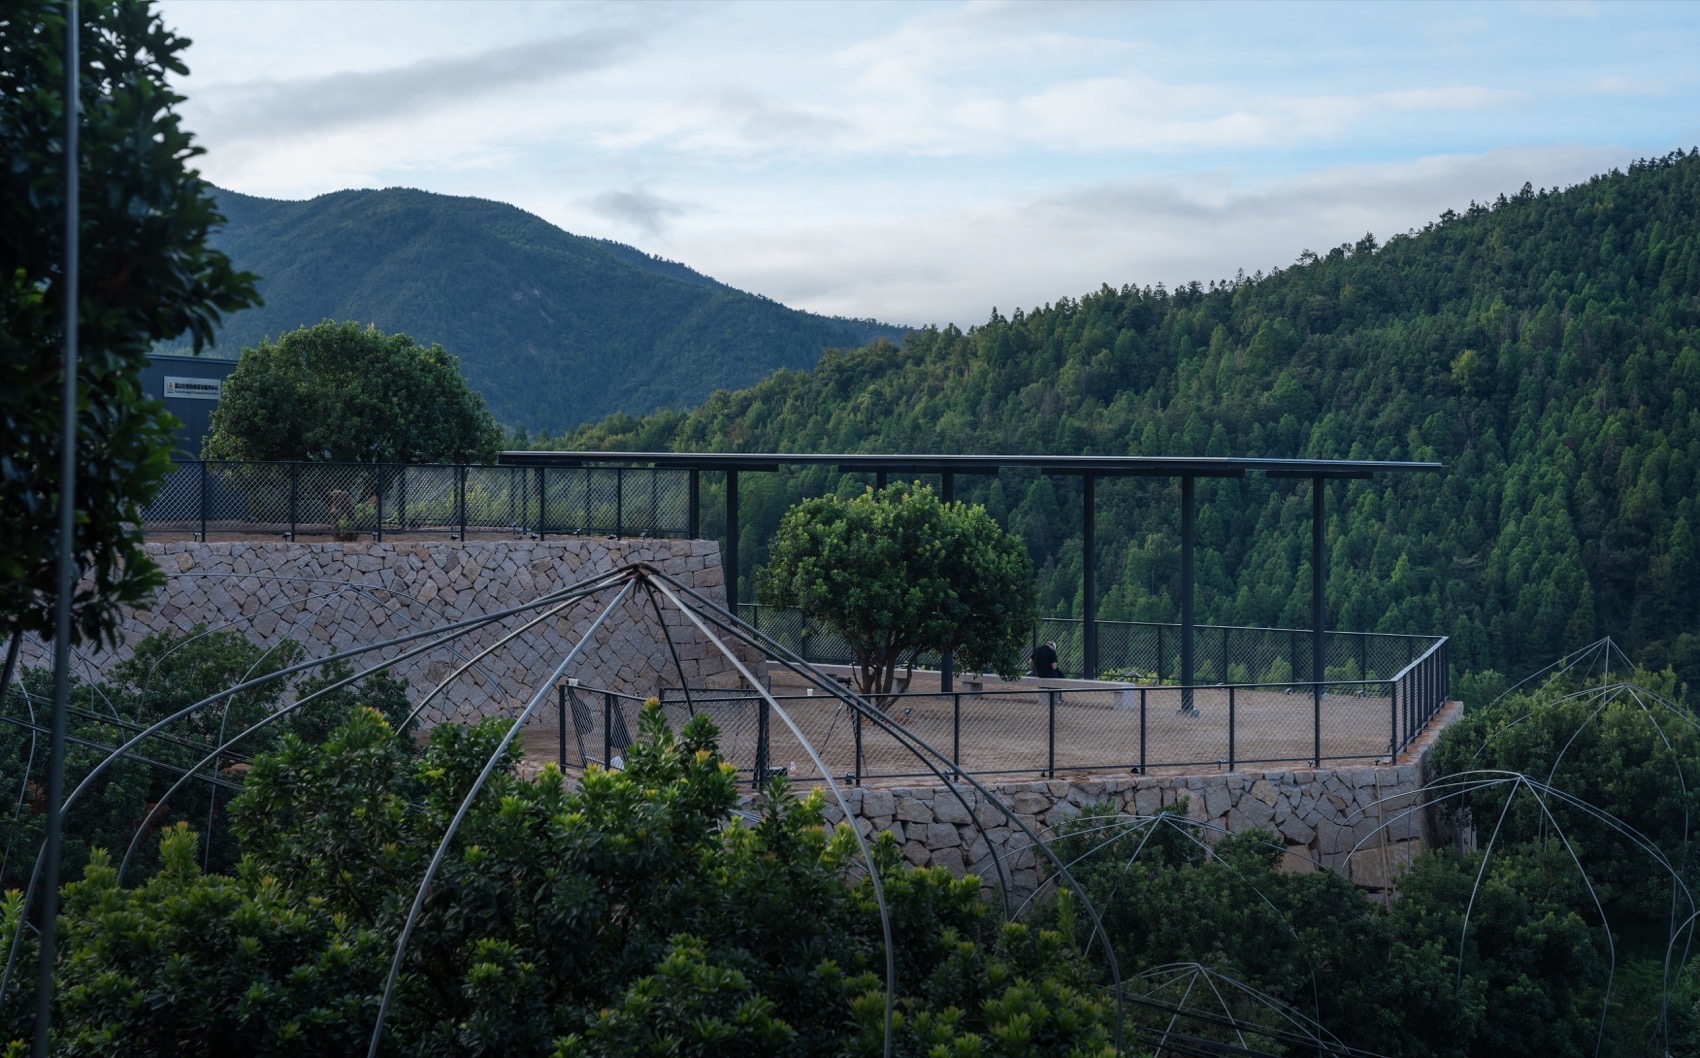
x=330 y=596
x=1320 y=816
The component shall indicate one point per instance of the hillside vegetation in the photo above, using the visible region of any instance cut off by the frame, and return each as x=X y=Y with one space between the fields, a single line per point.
x=553 y=328
x=1543 y=346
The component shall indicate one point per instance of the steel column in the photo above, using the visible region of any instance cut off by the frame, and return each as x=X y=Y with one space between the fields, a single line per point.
x=1317 y=662
x=1089 y=547
x=947 y=666
x=1188 y=531
x=731 y=559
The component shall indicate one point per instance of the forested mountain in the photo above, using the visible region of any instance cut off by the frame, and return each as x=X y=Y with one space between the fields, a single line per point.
x=553 y=328
x=1545 y=347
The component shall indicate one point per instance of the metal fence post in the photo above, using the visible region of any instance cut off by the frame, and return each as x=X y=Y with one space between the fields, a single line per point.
x=1363 y=656
x=858 y=729
x=1316 y=730
x=956 y=733
x=542 y=505
x=619 y=499
x=460 y=498
x=1393 y=734
x=294 y=494
x=378 y=514
x=1159 y=653
x=203 y=501
x=762 y=747
x=1231 y=719
x=607 y=730
x=693 y=517
x=1142 y=731
x=562 y=692
x=1052 y=735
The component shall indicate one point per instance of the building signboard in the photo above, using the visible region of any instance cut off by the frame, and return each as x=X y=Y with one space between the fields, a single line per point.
x=193 y=388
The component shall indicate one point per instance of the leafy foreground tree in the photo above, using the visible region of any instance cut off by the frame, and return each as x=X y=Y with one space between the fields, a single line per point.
x=632 y=917
x=167 y=672
x=146 y=275
x=336 y=391
x=896 y=572
x=1550 y=936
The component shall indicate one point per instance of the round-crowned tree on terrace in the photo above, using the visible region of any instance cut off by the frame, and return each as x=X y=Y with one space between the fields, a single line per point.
x=897 y=572
x=339 y=391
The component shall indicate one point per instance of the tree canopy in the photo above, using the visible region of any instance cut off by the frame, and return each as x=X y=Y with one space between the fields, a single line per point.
x=1544 y=346
x=896 y=572
x=337 y=391
x=145 y=275
x=632 y=917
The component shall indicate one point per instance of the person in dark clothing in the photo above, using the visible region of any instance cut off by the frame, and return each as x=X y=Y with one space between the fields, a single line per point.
x=1044 y=660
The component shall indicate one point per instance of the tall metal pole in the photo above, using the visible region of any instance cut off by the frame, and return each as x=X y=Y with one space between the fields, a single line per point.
x=731 y=558
x=67 y=509
x=1317 y=670
x=947 y=667
x=1187 y=616
x=1089 y=548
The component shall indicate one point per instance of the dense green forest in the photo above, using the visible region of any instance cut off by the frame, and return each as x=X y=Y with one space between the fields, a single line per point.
x=553 y=328
x=1543 y=346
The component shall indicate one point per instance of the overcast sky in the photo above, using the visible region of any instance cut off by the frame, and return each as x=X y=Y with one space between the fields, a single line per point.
x=922 y=163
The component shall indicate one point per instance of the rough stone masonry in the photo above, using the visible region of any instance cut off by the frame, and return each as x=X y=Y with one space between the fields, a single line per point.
x=333 y=596
x=1365 y=823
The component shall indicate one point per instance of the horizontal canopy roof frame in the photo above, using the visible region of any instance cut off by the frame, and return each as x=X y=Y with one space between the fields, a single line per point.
x=1187 y=468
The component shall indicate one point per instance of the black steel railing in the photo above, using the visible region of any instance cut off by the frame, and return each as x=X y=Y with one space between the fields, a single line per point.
x=1043 y=730
x=1149 y=651
x=352 y=501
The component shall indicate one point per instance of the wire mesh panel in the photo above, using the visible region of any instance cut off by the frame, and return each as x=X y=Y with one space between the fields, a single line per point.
x=1356 y=721
x=421 y=498
x=177 y=505
x=495 y=500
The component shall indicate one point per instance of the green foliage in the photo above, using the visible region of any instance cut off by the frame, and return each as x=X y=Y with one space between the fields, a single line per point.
x=896 y=572
x=1527 y=977
x=338 y=392
x=554 y=329
x=167 y=672
x=145 y=275
x=1622 y=752
x=632 y=916
x=1571 y=436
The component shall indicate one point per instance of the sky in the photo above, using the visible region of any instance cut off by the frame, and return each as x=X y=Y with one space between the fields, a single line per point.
x=923 y=163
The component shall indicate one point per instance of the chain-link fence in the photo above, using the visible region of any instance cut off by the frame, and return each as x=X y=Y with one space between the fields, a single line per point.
x=1044 y=729
x=350 y=501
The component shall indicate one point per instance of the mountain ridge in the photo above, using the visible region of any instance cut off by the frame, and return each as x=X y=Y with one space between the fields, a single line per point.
x=553 y=328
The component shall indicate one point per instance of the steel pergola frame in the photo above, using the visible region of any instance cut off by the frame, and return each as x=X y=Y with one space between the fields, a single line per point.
x=1087 y=467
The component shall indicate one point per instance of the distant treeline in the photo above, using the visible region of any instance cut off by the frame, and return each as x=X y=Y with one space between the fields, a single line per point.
x=1543 y=346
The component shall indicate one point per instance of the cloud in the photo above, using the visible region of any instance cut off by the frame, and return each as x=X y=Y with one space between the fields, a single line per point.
x=647 y=213
x=305 y=105
x=955 y=265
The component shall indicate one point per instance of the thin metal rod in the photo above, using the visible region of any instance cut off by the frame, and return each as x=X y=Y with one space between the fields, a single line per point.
x=66 y=559
x=466 y=805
